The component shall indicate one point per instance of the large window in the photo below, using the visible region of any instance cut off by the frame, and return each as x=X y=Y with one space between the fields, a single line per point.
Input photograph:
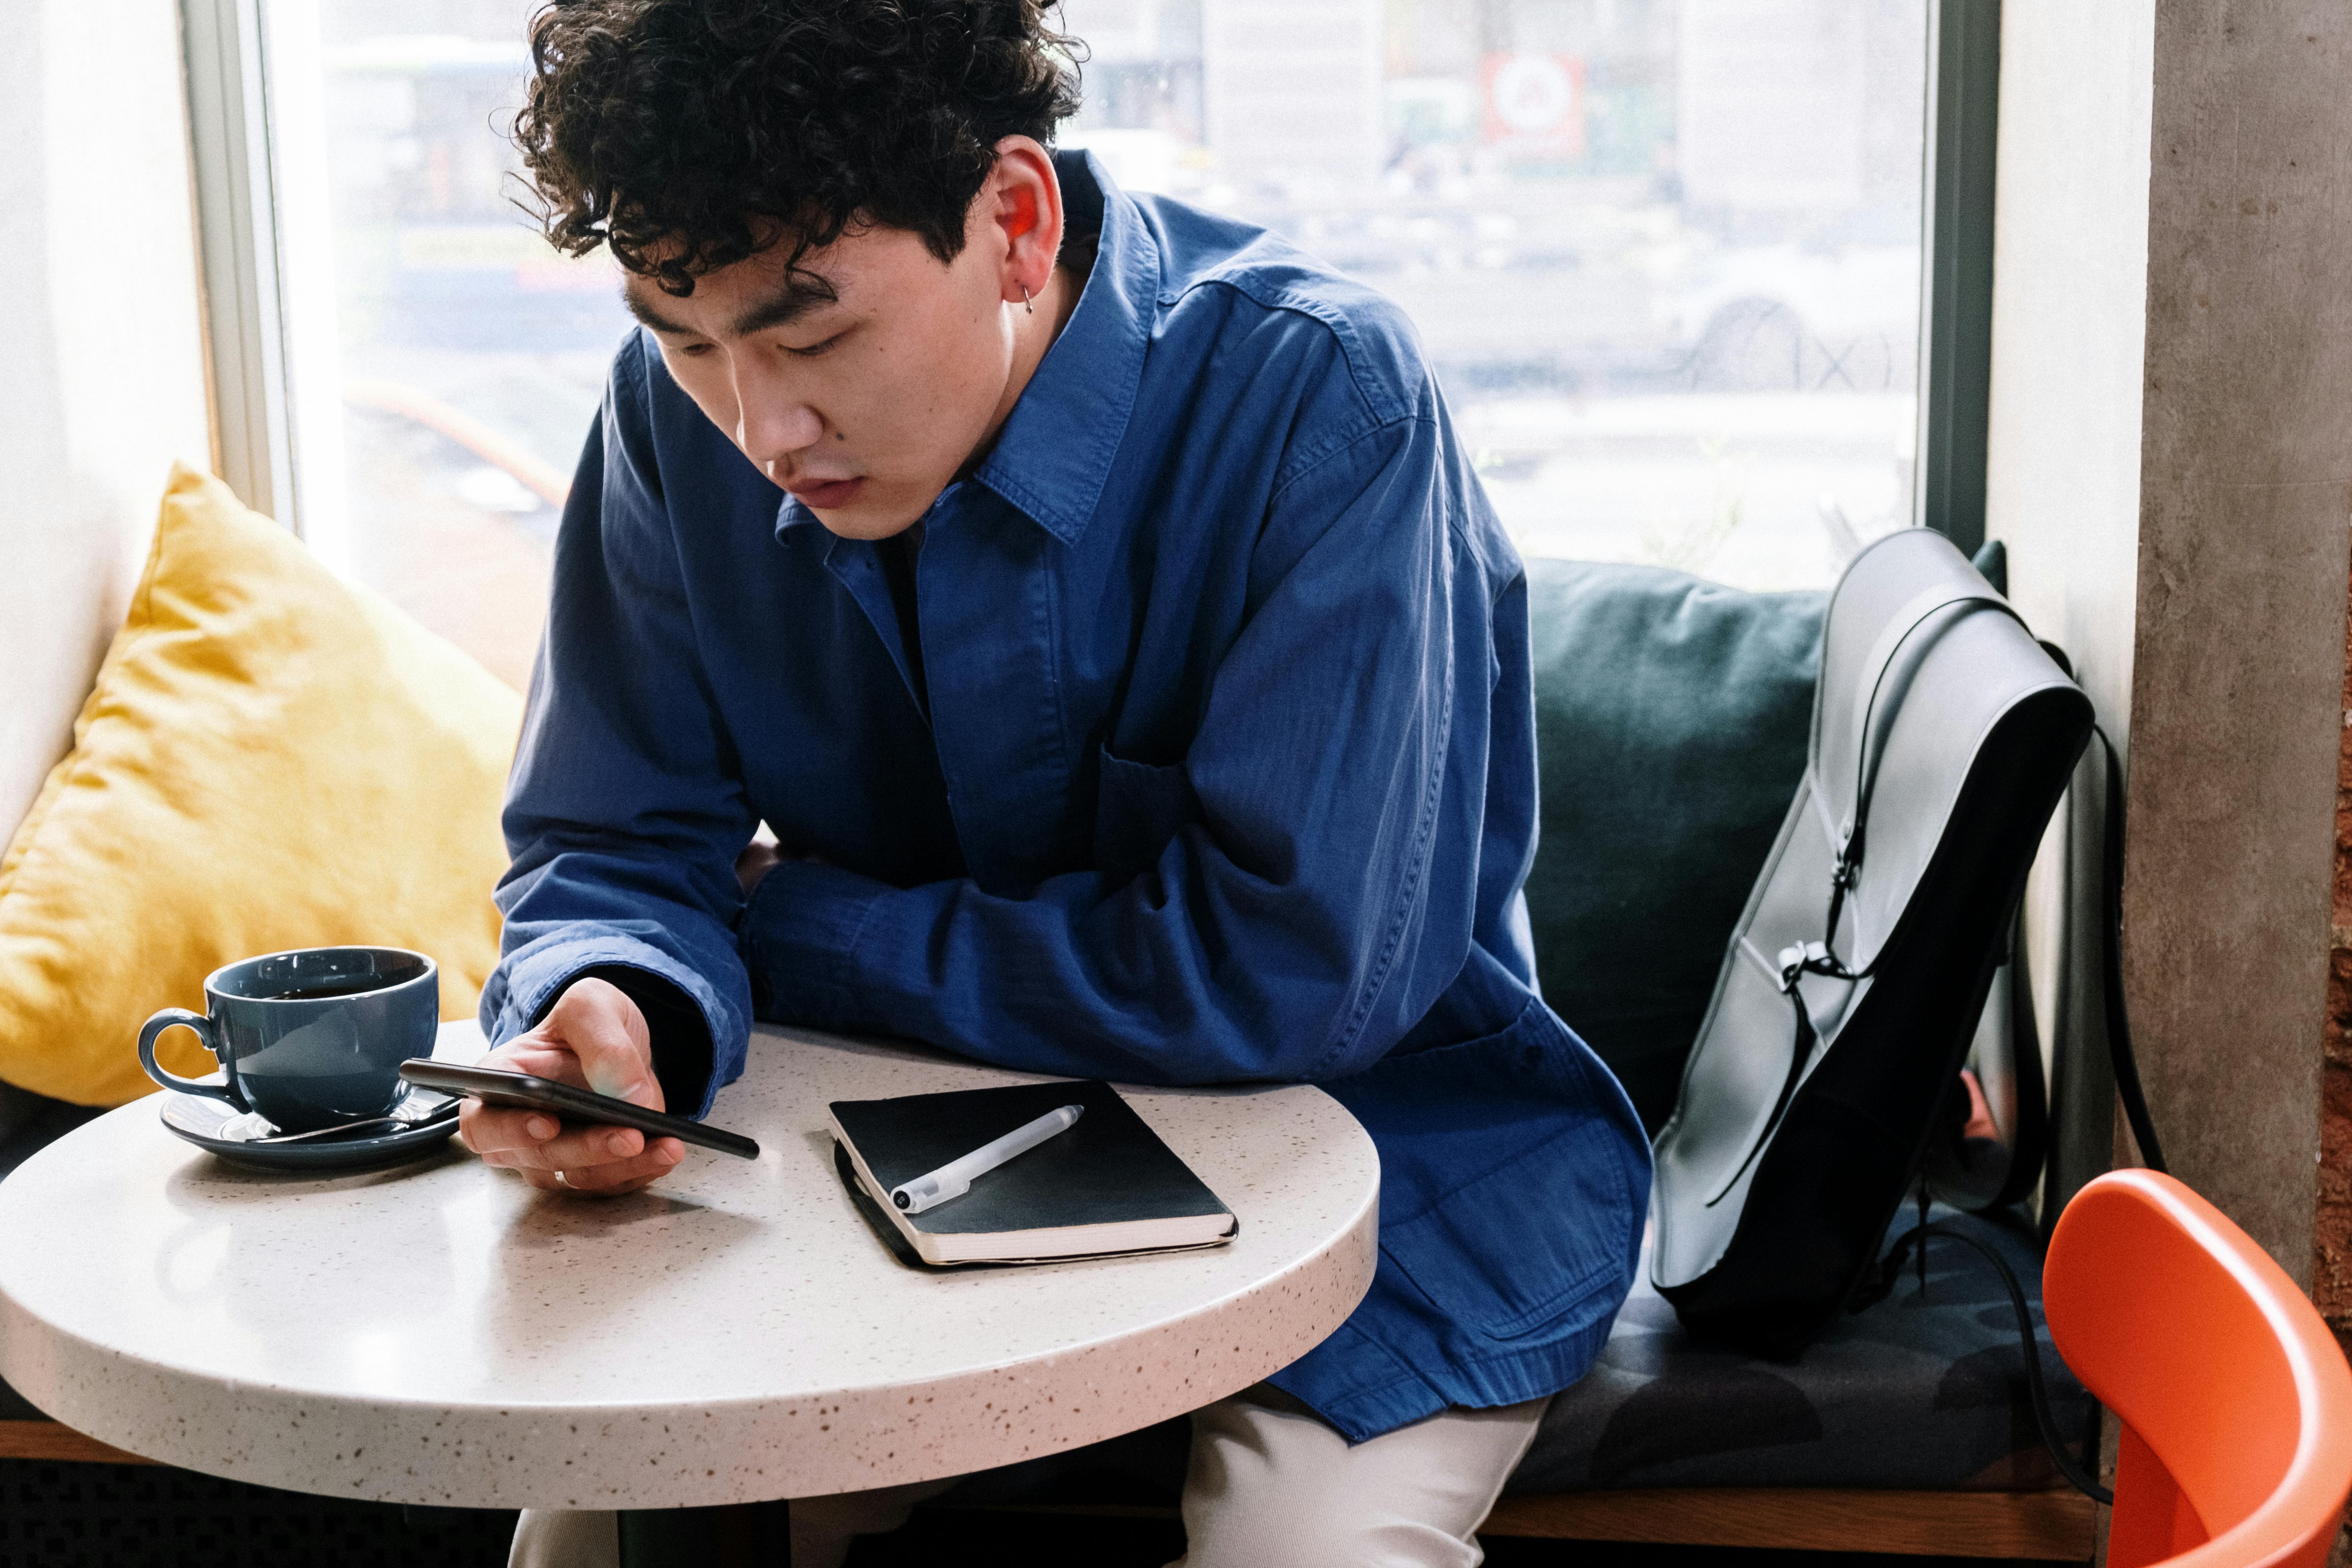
x=466 y=357
x=1665 y=255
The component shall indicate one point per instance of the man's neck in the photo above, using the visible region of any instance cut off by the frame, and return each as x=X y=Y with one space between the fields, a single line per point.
x=1033 y=331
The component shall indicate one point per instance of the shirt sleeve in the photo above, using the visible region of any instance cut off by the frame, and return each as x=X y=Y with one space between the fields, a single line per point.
x=1315 y=890
x=624 y=814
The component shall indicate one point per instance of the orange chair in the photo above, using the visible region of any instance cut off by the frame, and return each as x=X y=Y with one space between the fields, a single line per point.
x=2236 y=1404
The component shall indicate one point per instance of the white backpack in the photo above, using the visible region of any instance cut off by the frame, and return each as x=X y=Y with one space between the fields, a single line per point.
x=1943 y=736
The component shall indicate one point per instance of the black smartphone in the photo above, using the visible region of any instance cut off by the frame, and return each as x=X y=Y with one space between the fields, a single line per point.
x=523 y=1092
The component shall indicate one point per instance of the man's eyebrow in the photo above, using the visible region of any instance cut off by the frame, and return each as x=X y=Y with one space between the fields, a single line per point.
x=801 y=294
x=791 y=301
x=651 y=317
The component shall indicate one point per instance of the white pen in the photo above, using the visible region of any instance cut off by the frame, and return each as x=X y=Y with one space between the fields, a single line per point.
x=955 y=1178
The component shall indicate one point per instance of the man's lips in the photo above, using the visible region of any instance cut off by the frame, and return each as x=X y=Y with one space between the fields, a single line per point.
x=825 y=495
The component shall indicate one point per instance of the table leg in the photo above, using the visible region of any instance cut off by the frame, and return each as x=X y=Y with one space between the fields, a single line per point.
x=745 y=1535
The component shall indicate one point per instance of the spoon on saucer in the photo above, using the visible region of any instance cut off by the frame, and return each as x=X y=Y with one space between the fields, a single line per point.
x=440 y=1114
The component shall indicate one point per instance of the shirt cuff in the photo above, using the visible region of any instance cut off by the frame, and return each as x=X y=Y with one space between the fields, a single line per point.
x=685 y=1019
x=799 y=940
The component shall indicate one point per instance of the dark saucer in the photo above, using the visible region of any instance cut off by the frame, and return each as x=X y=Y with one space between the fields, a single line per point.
x=203 y=1123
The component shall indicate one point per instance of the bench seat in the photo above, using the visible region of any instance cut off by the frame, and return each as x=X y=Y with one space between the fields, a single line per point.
x=1924 y=1391
x=1912 y=1400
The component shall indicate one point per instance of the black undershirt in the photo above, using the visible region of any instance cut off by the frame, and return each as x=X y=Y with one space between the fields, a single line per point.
x=899 y=554
x=681 y=1039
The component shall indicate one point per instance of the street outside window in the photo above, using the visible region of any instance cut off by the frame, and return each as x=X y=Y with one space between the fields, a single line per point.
x=1664 y=256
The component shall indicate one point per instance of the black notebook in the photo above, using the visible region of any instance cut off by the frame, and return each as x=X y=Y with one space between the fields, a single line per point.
x=1106 y=1186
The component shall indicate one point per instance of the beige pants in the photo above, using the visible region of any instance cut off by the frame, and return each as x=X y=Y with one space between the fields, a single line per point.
x=1269 y=1483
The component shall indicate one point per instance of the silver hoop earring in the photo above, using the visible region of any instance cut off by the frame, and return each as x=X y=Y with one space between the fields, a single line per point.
x=1025 y=305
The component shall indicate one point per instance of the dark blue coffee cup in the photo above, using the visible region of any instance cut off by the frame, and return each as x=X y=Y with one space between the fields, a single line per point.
x=309 y=1039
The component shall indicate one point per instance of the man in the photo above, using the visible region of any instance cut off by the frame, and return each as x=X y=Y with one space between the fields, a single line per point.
x=1092 y=596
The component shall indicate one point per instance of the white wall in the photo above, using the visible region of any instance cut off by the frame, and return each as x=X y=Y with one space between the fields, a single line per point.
x=2069 y=307
x=102 y=357
x=2062 y=481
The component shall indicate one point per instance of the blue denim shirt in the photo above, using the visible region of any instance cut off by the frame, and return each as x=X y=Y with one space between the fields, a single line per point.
x=1226 y=775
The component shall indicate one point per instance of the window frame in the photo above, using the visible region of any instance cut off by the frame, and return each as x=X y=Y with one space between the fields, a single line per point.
x=1956 y=269
x=236 y=232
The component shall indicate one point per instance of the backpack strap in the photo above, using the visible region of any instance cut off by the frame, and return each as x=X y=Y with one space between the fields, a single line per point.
x=1871 y=728
x=1877 y=1286
x=1796 y=962
x=2119 y=1040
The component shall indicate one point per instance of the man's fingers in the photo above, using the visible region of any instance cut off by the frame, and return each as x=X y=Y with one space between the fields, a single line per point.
x=624 y=1175
x=494 y=1130
x=593 y=1038
x=602 y=1179
x=574 y=1147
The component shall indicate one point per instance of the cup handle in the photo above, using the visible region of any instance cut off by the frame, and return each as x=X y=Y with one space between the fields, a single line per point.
x=171 y=1017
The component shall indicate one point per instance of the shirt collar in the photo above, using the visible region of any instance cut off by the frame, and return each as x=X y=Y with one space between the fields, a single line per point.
x=1055 y=453
x=1053 y=456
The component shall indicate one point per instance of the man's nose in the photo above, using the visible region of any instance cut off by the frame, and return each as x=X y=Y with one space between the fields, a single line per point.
x=772 y=421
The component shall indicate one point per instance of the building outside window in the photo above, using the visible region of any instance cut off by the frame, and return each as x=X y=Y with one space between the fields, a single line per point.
x=1665 y=254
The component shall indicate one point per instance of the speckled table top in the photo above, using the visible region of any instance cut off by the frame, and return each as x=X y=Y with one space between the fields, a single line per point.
x=442 y=1333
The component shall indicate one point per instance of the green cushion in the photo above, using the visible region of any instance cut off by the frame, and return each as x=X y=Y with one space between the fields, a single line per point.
x=1671 y=718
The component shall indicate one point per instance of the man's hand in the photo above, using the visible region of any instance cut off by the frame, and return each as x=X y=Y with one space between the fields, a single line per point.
x=593 y=1038
x=759 y=857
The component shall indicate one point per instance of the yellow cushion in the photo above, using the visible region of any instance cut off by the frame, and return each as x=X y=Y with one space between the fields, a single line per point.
x=271 y=758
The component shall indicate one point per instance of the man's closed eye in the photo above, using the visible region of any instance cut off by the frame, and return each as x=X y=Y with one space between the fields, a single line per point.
x=814 y=350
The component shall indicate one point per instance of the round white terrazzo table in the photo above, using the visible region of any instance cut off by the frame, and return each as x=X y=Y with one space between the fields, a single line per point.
x=443 y=1333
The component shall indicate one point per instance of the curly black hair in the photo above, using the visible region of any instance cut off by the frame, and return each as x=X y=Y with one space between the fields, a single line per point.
x=709 y=130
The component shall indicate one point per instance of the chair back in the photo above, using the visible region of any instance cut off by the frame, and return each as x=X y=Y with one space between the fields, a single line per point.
x=2235 y=1403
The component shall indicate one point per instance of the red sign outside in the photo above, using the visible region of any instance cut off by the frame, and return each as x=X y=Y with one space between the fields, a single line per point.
x=1533 y=105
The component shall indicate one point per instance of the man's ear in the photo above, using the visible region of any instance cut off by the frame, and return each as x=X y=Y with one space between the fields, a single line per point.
x=1022 y=203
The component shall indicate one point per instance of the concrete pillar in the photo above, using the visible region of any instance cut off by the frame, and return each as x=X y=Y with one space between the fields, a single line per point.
x=2236 y=689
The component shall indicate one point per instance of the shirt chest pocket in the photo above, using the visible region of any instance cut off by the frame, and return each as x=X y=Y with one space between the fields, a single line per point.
x=1138 y=810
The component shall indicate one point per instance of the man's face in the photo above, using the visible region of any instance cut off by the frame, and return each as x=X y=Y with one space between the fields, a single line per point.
x=865 y=404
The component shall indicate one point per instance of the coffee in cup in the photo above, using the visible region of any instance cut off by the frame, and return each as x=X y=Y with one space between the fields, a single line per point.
x=308 y=1038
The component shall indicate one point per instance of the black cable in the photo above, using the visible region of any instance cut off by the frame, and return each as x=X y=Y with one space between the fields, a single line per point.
x=2037 y=1394
x=2135 y=1102
x=1922 y=1226
x=2119 y=1041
